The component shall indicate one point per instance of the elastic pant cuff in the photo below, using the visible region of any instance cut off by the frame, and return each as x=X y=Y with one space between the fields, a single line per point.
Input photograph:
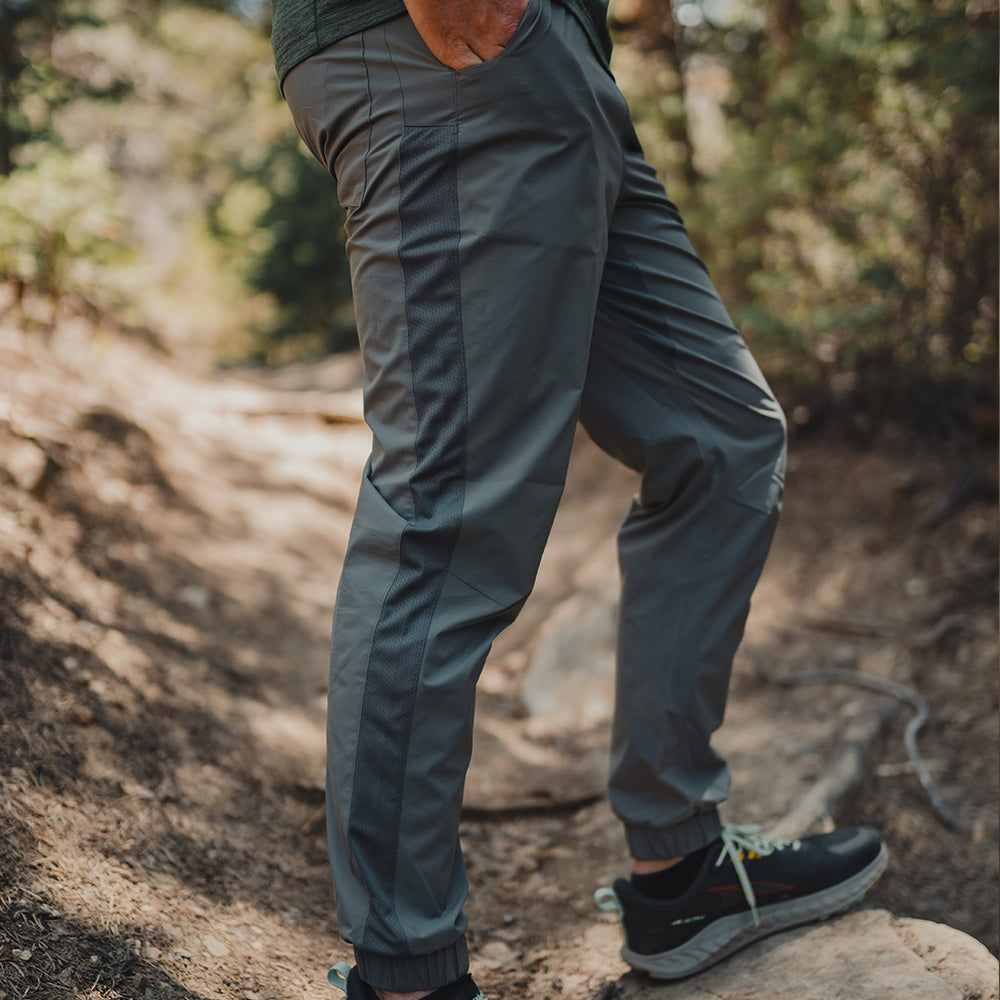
x=651 y=844
x=406 y=973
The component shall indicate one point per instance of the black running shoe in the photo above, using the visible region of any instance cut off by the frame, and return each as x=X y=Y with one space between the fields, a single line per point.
x=752 y=886
x=350 y=983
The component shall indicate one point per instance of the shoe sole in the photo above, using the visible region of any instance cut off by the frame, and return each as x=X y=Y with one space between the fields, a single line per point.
x=730 y=934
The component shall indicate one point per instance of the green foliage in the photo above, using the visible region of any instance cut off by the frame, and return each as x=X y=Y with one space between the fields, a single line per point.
x=852 y=223
x=60 y=221
x=24 y=25
x=286 y=217
x=233 y=229
x=304 y=265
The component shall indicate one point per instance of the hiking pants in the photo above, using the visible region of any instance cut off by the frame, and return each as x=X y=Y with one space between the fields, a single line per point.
x=516 y=267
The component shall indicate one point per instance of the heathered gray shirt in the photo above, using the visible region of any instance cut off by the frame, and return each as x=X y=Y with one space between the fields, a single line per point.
x=304 y=27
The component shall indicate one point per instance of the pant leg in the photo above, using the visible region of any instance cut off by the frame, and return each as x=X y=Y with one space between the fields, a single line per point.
x=673 y=392
x=479 y=205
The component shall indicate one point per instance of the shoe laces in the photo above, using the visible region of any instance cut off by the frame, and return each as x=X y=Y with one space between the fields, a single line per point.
x=750 y=840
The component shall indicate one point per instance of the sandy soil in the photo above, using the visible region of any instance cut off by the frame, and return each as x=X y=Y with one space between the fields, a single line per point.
x=169 y=550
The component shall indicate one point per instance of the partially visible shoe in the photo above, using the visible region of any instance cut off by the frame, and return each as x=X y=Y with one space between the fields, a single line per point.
x=752 y=886
x=350 y=983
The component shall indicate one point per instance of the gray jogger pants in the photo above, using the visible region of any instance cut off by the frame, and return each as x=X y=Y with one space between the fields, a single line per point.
x=517 y=267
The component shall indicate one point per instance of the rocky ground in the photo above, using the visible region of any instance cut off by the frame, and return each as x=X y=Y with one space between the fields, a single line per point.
x=169 y=549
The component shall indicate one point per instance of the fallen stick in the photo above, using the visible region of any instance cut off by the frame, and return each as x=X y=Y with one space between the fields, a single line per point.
x=848 y=626
x=836 y=675
x=843 y=776
x=329 y=407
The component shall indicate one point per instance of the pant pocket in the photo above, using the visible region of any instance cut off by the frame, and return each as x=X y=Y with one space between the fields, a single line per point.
x=522 y=33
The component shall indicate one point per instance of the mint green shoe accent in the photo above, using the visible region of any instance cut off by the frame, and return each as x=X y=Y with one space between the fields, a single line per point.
x=752 y=839
x=607 y=899
x=337 y=976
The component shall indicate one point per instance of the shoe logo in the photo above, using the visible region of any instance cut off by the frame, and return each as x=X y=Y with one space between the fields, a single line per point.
x=733 y=895
x=688 y=920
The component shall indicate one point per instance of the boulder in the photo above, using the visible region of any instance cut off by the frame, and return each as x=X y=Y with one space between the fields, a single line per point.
x=867 y=955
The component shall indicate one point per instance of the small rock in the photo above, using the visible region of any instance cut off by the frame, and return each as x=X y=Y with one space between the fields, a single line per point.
x=82 y=715
x=215 y=947
x=845 y=656
x=570 y=683
x=497 y=955
x=114 y=491
x=136 y=790
x=101 y=688
x=194 y=596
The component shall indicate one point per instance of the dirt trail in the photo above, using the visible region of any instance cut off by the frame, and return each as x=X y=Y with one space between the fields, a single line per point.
x=169 y=550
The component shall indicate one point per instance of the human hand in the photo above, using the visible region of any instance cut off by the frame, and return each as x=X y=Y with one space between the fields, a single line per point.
x=462 y=33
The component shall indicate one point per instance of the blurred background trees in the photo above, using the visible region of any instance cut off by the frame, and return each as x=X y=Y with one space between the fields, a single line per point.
x=153 y=172
x=835 y=161
x=837 y=164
